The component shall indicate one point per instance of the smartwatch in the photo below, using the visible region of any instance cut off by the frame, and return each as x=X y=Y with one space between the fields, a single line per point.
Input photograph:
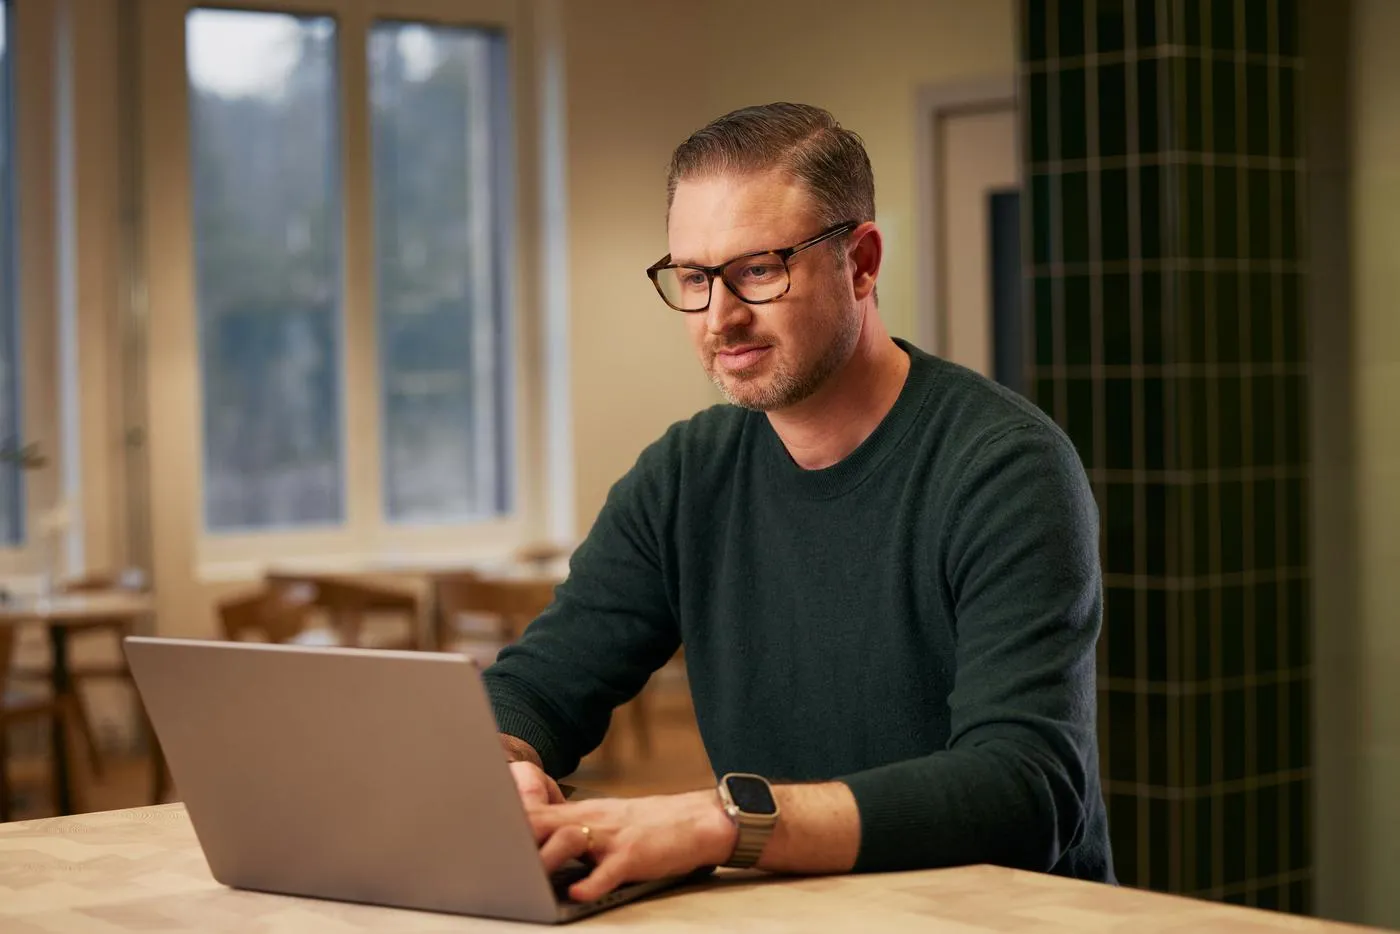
x=749 y=802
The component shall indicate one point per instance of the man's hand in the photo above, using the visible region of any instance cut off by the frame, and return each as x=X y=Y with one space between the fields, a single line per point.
x=636 y=839
x=632 y=839
x=536 y=788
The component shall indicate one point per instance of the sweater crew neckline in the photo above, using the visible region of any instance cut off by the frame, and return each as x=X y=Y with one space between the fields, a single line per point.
x=849 y=472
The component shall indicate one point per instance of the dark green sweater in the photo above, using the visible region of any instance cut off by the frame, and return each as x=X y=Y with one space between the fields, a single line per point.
x=917 y=621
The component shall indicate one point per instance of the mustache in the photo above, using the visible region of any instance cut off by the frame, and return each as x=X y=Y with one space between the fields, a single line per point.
x=730 y=341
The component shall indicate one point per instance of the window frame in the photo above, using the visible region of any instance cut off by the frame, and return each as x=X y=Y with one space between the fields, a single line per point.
x=10 y=318
x=367 y=536
x=34 y=120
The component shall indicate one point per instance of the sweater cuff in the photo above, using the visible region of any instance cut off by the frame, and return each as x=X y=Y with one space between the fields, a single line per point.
x=516 y=722
x=888 y=809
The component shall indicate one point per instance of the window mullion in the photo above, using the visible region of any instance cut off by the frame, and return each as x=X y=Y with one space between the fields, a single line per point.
x=360 y=343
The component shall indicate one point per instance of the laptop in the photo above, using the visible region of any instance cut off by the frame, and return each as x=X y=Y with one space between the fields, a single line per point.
x=358 y=775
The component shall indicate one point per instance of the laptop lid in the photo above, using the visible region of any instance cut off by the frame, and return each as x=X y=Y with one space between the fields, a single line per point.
x=352 y=774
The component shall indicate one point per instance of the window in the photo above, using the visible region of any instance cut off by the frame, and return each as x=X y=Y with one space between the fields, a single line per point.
x=11 y=477
x=267 y=221
x=437 y=121
x=340 y=212
x=268 y=201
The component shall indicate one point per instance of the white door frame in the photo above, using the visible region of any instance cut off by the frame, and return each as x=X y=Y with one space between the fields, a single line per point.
x=932 y=104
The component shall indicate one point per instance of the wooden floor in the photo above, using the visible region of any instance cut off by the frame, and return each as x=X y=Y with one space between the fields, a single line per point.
x=677 y=763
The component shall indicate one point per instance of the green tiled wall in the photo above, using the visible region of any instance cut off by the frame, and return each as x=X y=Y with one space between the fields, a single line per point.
x=1165 y=333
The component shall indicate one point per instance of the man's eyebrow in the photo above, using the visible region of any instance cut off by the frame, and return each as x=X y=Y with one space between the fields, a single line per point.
x=727 y=259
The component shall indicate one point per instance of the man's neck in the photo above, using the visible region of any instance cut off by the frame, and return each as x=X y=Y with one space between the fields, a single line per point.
x=831 y=423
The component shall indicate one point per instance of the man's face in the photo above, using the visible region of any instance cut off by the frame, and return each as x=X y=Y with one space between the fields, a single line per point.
x=772 y=356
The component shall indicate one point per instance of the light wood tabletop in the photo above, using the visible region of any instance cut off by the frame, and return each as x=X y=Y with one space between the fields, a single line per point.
x=76 y=608
x=142 y=870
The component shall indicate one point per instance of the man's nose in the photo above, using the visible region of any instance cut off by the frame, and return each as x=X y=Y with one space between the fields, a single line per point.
x=726 y=311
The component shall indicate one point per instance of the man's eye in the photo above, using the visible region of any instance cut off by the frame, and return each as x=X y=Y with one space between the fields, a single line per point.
x=759 y=272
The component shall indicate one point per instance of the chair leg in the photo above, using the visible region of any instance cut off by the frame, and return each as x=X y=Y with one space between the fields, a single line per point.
x=83 y=724
x=607 y=752
x=4 y=772
x=641 y=722
x=70 y=711
x=160 y=773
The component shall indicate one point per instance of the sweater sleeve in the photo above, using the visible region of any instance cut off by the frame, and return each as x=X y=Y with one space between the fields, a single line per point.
x=1021 y=566
x=610 y=626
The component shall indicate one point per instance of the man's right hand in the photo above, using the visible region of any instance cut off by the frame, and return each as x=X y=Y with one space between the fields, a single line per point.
x=536 y=788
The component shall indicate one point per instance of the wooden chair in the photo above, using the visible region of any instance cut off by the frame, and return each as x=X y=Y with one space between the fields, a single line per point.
x=542 y=554
x=132 y=580
x=508 y=606
x=347 y=603
x=278 y=613
x=15 y=707
x=499 y=607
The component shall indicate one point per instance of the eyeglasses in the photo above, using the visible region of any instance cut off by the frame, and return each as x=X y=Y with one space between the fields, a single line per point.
x=755 y=278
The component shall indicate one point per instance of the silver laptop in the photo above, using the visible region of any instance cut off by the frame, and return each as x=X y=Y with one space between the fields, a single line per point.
x=350 y=774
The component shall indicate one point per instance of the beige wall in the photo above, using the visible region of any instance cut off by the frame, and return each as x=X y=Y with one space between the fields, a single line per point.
x=1375 y=231
x=628 y=101
x=642 y=75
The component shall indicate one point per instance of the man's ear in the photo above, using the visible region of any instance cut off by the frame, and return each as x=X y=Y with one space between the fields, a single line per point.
x=866 y=249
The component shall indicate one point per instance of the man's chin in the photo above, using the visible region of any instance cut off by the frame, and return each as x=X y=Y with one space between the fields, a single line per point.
x=753 y=394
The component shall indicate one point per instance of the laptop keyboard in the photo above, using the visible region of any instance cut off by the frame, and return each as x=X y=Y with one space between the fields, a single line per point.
x=565 y=876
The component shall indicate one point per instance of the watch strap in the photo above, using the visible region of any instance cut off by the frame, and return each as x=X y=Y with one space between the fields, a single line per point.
x=753 y=837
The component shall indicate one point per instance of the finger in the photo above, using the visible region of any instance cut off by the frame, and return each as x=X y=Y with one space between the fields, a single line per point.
x=563 y=845
x=606 y=876
x=535 y=787
x=533 y=795
x=546 y=819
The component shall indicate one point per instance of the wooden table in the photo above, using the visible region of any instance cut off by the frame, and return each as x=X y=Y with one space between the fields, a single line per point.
x=142 y=870
x=60 y=614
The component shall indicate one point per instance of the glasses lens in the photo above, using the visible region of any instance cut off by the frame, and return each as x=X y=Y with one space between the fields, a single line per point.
x=758 y=278
x=684 y=288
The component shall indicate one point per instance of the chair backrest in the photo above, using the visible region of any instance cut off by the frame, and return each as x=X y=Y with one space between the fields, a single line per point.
x=340 y=593
x=542 y=553
x=516 y=602
x=274 y=614
x=346 y=602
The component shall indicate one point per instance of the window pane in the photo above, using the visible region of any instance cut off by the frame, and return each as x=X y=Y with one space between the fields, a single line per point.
x=439 y=132
x=268 y=254
x=11 y=479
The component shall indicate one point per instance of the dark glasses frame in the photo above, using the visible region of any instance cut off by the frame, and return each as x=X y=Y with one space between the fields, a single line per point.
x=717 y=272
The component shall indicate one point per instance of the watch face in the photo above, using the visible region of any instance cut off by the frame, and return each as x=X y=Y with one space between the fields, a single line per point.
x=750 y=794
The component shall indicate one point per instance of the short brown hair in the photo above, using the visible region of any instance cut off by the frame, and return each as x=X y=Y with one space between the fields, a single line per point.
x=800 y=140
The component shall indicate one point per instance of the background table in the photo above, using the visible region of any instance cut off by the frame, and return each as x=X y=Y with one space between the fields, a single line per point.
x=60 y=614
x=142 y=870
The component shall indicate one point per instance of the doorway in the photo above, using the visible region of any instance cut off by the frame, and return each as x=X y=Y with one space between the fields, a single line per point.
x=971 y=314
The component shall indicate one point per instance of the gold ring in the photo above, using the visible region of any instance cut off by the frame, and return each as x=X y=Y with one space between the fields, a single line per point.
x=587 y=835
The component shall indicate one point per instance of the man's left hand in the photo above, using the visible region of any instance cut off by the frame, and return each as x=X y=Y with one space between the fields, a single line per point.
x=633 y=839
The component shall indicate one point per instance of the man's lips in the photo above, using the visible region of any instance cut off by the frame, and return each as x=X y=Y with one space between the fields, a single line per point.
x=741 y=357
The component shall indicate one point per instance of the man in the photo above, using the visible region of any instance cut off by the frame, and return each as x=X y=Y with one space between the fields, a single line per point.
x=883 y=568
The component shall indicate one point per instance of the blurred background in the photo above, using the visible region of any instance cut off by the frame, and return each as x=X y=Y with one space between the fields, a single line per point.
x=326 y=320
